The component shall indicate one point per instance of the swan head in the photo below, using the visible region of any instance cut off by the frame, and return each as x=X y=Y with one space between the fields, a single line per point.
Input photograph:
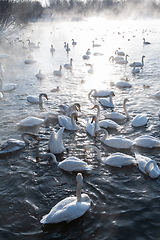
x=75 y=116
x=151 y=169
x=45 y=95
x=126 y=100
x=94 y=118
x=77 y=107
x=95 y=106
x=112 y=93
x=79 y=178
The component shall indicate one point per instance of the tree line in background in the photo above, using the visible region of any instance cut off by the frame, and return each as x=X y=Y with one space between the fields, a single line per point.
x=17 y=13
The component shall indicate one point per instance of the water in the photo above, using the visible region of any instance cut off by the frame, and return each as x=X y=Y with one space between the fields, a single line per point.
x=125 y=202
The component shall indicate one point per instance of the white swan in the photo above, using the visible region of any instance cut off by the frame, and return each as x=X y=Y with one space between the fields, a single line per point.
x=99 y=93
x=4 y=56
x=144 y=42
x=115 y=141
x=7 y=87
x=107 y=103
x=68 y=122
x=115 y=160
x=107 y=123
x=69 y=208
x=135 y=69
x=68 y=109
x=12 y=145
x=55 y=144
x=1 y=70
x=1 y=95
x=69 y=65
x=117 y=58
x=70 y=164
x=92 y=126
x=88 y=52
x=121 y=84
x=119 y=53
x=37 y=100
x=96 y=45
x=73 y=42
x=58 y=72
x=67 y=48
x=29 y=61
x=147 y=141
x=52 y=49
x=139 y=120
x=123 y=61
x=33 y=121
x=157 y=95
x=91 y=71
x=138 y=64
x=117 y=115
x=55 y=89
x=86 y=57
x=40 y=75
x=147 y=166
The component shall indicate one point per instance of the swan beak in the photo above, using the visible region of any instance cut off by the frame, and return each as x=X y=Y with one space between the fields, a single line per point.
x=76 y=118
x=92 y=120
x=46 y=97
x=147 y=173
x=37 y=139
x=85 y=150
x=95 y=134
x=37 y=157
x=113 y=94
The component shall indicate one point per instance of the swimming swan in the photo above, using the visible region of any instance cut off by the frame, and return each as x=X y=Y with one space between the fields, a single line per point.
x=99 y=93
x=144 y=42
x=147 y=166
x=138 y=64
x=147 y=141
x=37 y=100
x=119 y=116
x=135 y=70
x=40 y=75
x=33 y=121
x=115 y=141
x=123 y=61
x=107 y=103
x=69 y=65
x=58 y=72
x=52 y=49
x=119 y=53
x=7 y=87
x=12 y=145
x=70 y=164
x=68 y=109
x=139 y=120
x=69 y=208
x=68 y=122
x=92 y=126
x=115 y=160
x=55 y=144
x=73 y=42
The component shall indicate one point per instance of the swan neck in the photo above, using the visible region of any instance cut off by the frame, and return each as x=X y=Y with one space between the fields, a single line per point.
x=78 y=192
x=24 y=138
x=125 y=110
x=105 y=134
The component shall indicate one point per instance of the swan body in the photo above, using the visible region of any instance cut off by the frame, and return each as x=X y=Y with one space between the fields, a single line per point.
x=117 y=115
x=4 y=56
x=91 y=71
x=96 y=45
x=55 y=89
x=29 y=61
x=86 y=57
x=92 y=126
x=7 y=87
x=115 y=160
x=139 y=120
x=147 y=166
x=52 y=49
x=88 y=52
x=138 y=64
x=117 y=58
x=73 y=42
x=145 y=43
x=40 y=75
x=108 y=123
x=32 y=121
x=69 y=65
x=68 y=122
x=67 y=48
x=115 y=141
x=69 y=208
x=107 y=103
x=157 y=95
x=99 y=93
x=58 y=72
x=122 y=84
x=135 y=70
x=98 y=54
x=123 y=61
x=55 y=144
x=147 y=141
x=119 y=53
x=12 y=145
x=37 y=100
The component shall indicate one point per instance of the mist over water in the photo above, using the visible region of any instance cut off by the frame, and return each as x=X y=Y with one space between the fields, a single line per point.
x=125 y=202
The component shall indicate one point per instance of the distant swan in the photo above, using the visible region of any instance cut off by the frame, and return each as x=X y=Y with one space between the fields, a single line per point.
x=88 y=52
x=117 y=115
x=115 y=141
x=7 y=87
x=115 y=160
x=138 y=64
x=69 y=208
x=144 y=42
x=147 y=141
x=96 y=45
x=70 y=164
x=123 y=61
x=55 y=144
x=67 y=48
x=147 y=166
x=119 y=53
x=29 y=61
x=69 y=65
x=121 y=84
x=37 y=99
x=52 y=49
x=12 y=145
x=73 y=42
x=55 y=89
x=40 y=75
x=68 y=122
x=107 y=103
x=135 y=69
x=58 y=72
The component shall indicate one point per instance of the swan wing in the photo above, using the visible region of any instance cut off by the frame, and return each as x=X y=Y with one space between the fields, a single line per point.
x=139 y=120
x=119 y=142
x=30 y=122
x=32 y=99
x=11 y=145
x=119 y=160
x=73 y=164
x=108 y=124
